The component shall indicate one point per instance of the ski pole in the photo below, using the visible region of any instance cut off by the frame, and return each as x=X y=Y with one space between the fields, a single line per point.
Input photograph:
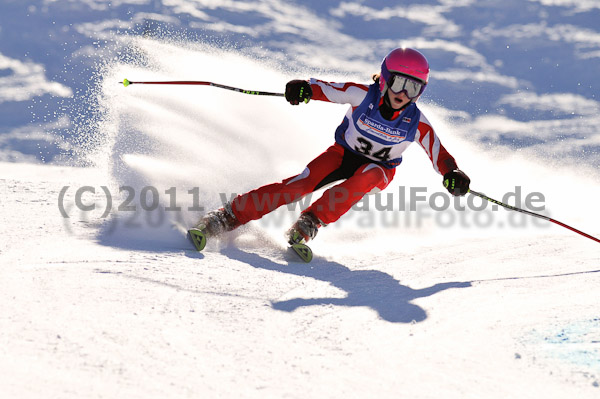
x=537 y=215
x=126 y=83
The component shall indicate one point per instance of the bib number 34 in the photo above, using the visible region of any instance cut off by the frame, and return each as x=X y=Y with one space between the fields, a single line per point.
x=366 y=147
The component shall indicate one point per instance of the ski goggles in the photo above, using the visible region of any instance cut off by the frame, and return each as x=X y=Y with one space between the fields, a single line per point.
x=399 y=83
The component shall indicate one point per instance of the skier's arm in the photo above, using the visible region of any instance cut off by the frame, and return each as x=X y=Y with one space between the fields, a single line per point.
x=455 y=180
x=302 y=91
x=442 y=161
x=340 y=93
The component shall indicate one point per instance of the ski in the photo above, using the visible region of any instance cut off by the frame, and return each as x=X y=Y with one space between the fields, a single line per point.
x=303 y=251
x=197 y=237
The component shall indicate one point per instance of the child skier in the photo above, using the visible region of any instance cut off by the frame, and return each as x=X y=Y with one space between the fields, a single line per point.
x=382 y=121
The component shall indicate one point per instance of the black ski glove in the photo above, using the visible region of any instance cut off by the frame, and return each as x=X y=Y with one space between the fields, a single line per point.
x=457 y=182
x=297 y=91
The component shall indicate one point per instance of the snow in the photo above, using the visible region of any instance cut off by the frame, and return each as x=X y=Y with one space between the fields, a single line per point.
x=464 y=318
x=101 y=301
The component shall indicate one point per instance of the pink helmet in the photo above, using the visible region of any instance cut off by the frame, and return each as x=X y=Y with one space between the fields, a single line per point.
x=407 y=62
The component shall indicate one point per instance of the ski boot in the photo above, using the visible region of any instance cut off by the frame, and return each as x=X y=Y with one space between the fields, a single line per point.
x=213 y=224
x=304 y=230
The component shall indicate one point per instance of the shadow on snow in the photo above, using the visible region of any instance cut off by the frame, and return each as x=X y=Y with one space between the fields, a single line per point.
x=369 y=288
x=365 y=288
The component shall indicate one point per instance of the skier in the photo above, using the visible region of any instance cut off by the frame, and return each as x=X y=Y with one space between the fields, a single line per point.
x=382 y=121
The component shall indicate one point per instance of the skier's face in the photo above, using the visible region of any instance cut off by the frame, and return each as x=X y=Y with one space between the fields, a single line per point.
x=397 y=100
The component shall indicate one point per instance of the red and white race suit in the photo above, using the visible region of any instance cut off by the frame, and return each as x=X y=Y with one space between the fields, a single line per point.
x=366 y=151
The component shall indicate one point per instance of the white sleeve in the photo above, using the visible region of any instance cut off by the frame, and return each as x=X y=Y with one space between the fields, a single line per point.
x=340 y=93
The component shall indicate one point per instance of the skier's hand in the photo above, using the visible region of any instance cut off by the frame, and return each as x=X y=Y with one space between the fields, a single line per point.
x=457 y=182
x=297 y=91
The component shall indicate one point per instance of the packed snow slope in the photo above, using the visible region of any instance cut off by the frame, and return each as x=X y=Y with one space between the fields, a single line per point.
x=410 y=294
x=102 y=295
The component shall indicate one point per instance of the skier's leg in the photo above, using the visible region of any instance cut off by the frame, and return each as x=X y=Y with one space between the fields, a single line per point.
x=337 y=200
x=257 y=203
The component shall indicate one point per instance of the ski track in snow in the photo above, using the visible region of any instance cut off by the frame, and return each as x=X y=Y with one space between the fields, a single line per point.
x=422 y=304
